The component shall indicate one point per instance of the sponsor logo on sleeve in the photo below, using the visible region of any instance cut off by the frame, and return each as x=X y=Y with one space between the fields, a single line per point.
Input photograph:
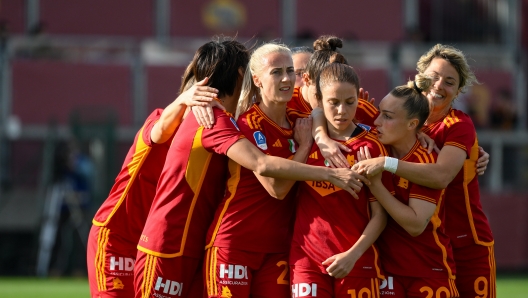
x=260 y=140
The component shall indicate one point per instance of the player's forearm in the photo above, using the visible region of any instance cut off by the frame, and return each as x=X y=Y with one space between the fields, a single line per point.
x=403 y=214
x=169 y=120
x=319 y=129
x=281 y=168
x=279 y=188
x=431 y=175
x=371 y=233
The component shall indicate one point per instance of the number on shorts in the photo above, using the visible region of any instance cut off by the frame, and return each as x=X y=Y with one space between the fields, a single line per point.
x=439 y=292
x=361 y=292
x=481 y=287
x=428 y=290
x=281 y=280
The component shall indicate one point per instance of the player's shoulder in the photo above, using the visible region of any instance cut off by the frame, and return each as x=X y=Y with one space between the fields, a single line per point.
x=457 y=117
x=154 y=115
x=293 y=114
x=420 y=154
x=371 y=140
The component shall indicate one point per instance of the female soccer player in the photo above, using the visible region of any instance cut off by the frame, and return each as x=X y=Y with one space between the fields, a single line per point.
x=118 y=223
x=455 y=135
x=252 y=225
x=300 y=56
x=415 y=252
x=193 y=179
x=332 y=252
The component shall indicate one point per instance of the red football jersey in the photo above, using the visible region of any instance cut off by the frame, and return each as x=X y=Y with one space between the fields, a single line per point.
x=126 y=208
x=366 y=113
x=191 y=185
x=430 y=254
x=298 y=102
x=466 y=222
x=249 y=218
x=329 y=220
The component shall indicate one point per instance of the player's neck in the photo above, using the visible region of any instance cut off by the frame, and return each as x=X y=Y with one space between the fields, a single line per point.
x=437 y=115
x=229 y=103
x=276 y=112
x=403 y=147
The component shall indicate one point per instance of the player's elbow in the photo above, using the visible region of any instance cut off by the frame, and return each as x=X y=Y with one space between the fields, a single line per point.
x=415 y=230
x=261 y=166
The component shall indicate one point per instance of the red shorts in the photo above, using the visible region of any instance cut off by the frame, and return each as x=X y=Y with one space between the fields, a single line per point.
x=475 y=265
x=236 y=273
x=396 y=286
x=309 y=282
x=110 y=263
x=168 y=277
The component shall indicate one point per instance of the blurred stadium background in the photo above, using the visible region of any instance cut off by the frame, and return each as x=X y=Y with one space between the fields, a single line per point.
x=77 y=79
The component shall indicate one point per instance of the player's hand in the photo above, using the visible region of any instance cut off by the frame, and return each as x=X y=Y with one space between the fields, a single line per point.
x=340 y=265
x=348 y=180
x=365 y=95
x=331 y=151
x=427 y=142
x=370 y=167
x=201 y=99
x=363 y=153
x=482 y=162
x=302 y=132
x=200 y=94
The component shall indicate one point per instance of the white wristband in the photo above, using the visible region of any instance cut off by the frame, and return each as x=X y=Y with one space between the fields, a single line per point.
x=391 y=164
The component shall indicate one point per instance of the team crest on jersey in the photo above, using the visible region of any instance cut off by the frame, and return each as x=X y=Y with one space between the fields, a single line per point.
x=350 y=159
x=234 y=123
x=226 y=292
x=260 y=140
x=292 y=146
x=403 y=183
x=118 y=284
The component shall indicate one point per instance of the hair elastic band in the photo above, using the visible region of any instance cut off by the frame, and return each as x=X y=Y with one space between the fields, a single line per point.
x=417 y=88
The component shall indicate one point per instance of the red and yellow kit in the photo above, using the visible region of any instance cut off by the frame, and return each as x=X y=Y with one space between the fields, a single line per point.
x=428 y=255
x=249 y=218
x=329 y=220
x=190 y=187
x=466 y=223
x=126 y=208
x=118 y=223
x=366 y=113
x=251 y=231
x=298 y=102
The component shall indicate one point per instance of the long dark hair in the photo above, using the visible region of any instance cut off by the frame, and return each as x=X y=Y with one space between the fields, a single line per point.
x=220 y=61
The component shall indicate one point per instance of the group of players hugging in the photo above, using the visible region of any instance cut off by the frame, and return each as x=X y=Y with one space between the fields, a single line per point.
x=272 y=174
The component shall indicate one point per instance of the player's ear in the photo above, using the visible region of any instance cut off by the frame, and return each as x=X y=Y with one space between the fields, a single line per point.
x=306 y=79
x=256 y=81
x=412 y=124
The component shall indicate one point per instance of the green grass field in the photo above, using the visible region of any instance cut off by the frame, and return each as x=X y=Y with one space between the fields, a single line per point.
x=507 y=287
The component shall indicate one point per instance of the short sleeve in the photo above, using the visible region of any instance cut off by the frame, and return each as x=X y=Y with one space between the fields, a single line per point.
x=148 y=125
x=223 y=135
x=462 y=135
x=425 y=193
